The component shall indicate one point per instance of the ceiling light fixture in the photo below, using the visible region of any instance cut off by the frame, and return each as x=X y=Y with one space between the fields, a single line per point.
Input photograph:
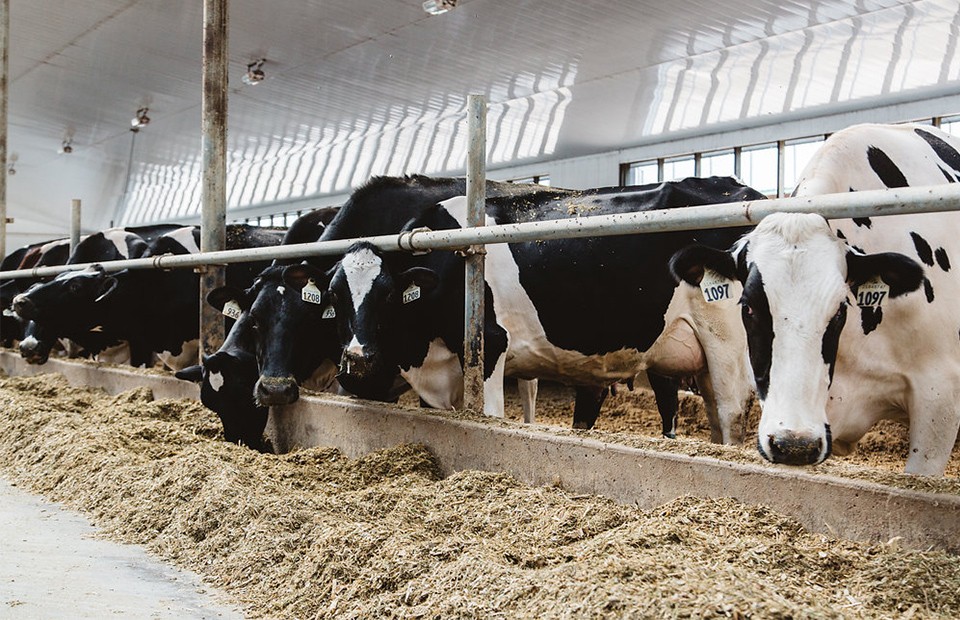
x=12 y=170
x=254 y=74
x=140 y=120
x=438 y=7
x=66 y=147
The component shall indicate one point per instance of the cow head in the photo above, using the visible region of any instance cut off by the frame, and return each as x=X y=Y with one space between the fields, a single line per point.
x=367 y=296
x=798 y=279
x=286 y=334
x=68 y=304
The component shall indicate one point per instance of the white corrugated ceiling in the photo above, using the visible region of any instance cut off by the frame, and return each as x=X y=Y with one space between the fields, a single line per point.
x=363 y=87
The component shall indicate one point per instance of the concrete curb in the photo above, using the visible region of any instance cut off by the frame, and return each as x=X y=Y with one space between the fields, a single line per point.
x=850 y=509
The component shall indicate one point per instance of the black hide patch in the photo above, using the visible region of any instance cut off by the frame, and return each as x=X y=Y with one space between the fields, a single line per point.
x=928 y=290
x=942 y=259
x=944 y=151
x=863 y=221
x=831 y=339
x=924 y=251
x=758 y=323
x=870 y=319
x=884 y=167
x=841 y=235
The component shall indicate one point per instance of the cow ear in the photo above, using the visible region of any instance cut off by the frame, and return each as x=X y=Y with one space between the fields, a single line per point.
x=219 y=297
x=190 y=373
x=901 y=273
x=689 y=263
x=426 y=279
x=107 y=288
x=297 y=276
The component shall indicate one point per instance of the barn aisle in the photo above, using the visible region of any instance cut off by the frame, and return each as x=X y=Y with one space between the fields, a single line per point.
x=53 y=566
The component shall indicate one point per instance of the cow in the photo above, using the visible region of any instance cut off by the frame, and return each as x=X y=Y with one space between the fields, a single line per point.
x=838 y=339
x=291 y=338
x=584 y=312
x=154 y=311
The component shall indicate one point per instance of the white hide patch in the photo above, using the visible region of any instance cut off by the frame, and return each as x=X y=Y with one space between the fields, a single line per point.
x=215 y=379
x=361 y=269
x=184 y=236
x=439 y=381
x=118 y=237
x=529 y=353
x=280 y=290
x=29 y=342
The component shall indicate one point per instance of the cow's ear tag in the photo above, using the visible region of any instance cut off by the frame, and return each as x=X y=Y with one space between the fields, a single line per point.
x=329 y=313
x=714 y=286
x=873 y=293
x=412 y=293
x=232 y=310
x=310 y=293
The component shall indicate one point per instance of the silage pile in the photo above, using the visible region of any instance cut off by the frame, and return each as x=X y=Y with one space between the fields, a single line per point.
x=315 y=535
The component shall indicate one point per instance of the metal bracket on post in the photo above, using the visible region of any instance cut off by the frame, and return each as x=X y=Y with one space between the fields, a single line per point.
x=405 y=241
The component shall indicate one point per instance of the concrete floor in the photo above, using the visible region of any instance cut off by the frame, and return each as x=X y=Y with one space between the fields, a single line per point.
x=52 y=566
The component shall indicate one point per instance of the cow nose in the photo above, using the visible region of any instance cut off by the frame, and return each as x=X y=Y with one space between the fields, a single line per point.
x=791 y=448
x=355 y=364
x=274 y=391
x=31 y=351
x=24 y=306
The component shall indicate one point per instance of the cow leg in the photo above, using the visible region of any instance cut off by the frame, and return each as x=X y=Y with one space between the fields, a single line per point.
x=528 y=398
x=668 y=403
x=493 y=390
x=934 y=422
x=705 y=383
x=587 y=406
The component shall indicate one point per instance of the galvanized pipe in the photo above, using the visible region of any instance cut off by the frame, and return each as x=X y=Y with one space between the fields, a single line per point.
x=875 y=203
x=74 y=224
x=213 y=216
x=473 y=315
x=4 y=101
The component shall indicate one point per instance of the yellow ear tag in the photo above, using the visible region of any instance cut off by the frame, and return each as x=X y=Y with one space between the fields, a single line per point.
x=714 y=286
x=232 y=310
x=310 y=293
x=411 y=294
x=872 y=293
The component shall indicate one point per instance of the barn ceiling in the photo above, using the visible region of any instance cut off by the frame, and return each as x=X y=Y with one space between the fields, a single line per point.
x=361 y=87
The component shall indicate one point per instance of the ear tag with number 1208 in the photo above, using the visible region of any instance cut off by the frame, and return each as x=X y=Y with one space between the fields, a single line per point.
x=232 y=310
x=872 y=293
x=310 y=293
x=714 y=286
x=411 y=294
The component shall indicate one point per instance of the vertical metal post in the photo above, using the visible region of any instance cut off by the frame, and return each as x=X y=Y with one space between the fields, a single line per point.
x=4 y=98
x=214 y=123
x=74 y=224
x=476 y=212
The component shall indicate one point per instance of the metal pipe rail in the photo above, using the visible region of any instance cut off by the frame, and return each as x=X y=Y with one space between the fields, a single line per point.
x=935 y=198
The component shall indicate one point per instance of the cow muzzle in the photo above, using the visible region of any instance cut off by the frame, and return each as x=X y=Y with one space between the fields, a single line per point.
x=274 y=391
x=354 y=364
x=24 y=307
x=791 y=448
x=33 y=352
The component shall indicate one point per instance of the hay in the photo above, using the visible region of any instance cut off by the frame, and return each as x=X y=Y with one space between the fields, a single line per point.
x=313 y=534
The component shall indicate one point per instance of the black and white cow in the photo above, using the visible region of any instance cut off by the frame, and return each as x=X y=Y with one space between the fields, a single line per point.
x=12 y=326
x=156 y=312
x=584 y=312
x=835 y=340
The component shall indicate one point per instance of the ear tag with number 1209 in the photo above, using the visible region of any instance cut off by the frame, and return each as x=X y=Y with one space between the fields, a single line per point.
x=872 y=293
x=232 y=310
x=411 y=294
x=310 y=293
x=714 y=286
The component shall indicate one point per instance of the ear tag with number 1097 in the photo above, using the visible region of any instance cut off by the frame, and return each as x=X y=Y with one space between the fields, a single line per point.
x=310 y=293
x=411 y=294
x=714 y=286
x=232 y=310
x=872 y=293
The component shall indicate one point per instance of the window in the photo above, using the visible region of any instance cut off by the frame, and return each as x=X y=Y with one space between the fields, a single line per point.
x=758 y=166
x=679 y=168
x=537 y=179
x=796 y=154
x=718 y=164
x=641 y=173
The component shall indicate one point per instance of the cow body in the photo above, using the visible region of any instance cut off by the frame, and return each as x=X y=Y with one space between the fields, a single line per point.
x=830 y=362
x=585 y=312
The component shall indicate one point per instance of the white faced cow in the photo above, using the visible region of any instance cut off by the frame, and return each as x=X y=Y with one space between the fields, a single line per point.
x=829 y=302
